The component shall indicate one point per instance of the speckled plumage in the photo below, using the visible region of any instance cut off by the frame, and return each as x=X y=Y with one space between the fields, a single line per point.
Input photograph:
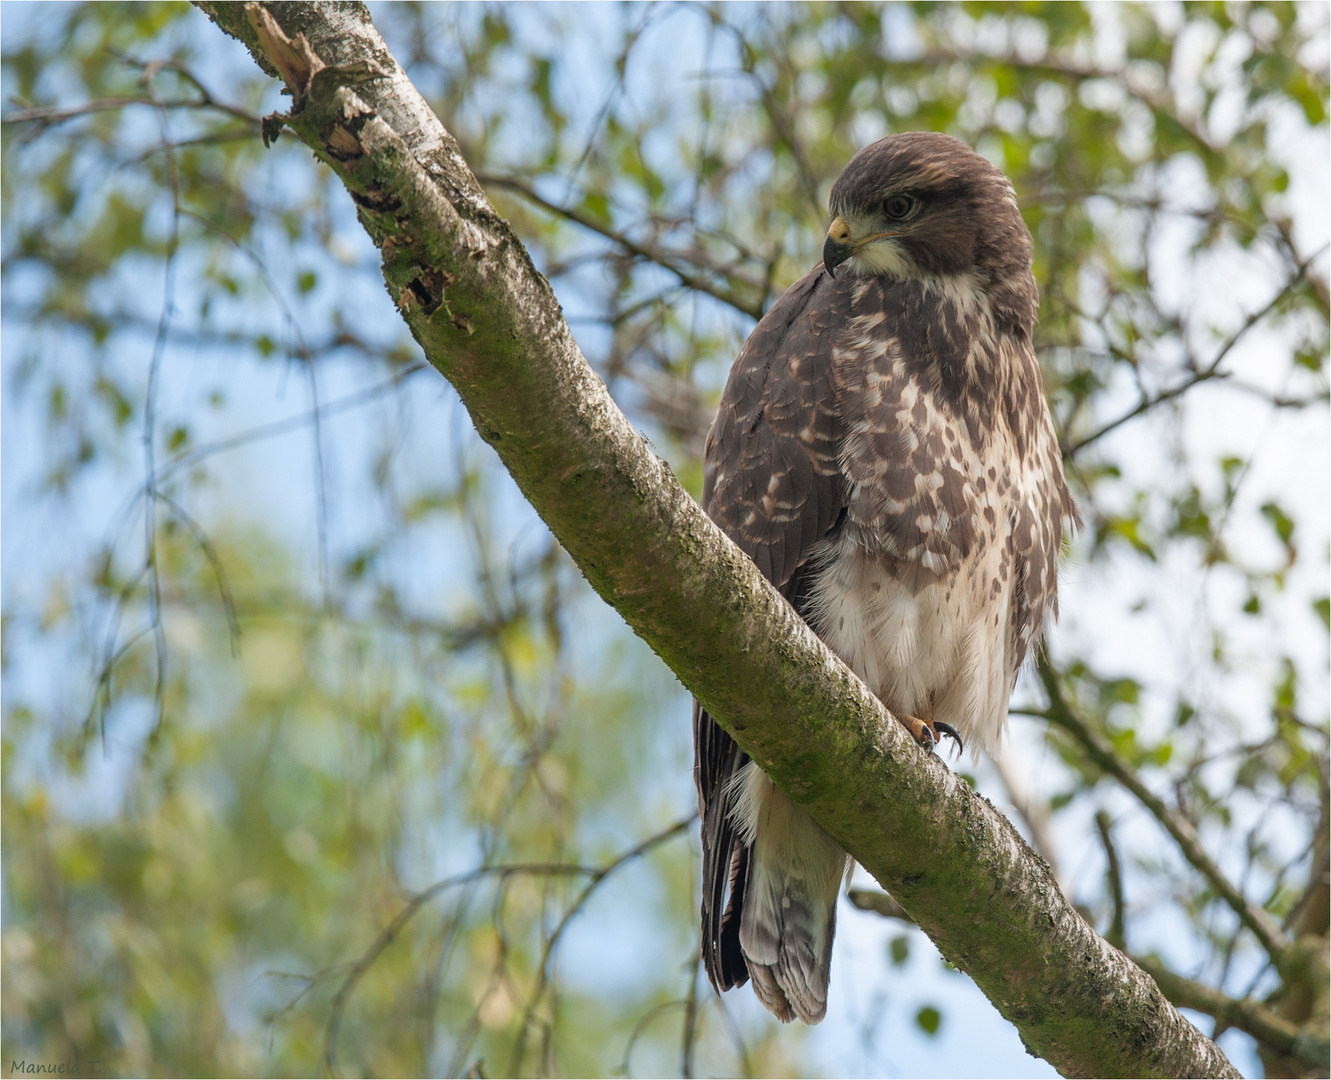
x=884 y=454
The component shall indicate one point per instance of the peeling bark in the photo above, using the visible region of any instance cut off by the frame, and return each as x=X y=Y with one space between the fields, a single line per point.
x=490 y=323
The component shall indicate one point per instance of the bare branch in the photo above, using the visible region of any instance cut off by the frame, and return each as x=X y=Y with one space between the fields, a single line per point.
x=1157 y=100
x=1202 y=374
x=150 y=477
x=1268 y=1028
x=1320 y=289
x=626 y=1064
x=650 y=252
x=877 y=902
x=690 y=1035
x=49 y=115
x=214 y=561
x=543 y=968
x=1060 y=197
x=1115 y=877
x=1098 y=748
x=389 y=933
x=189 y=458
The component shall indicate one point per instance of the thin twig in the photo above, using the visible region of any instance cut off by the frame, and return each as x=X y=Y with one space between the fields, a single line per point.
x=690 y=1035
x=214 y=561
x=782 y=125
x=302 y=355
x=543 y=969
x=1202 y=374
x=1115 y=878
x=1059 y=197
x=102 y=689
x=51 y=115
x=879 y=903
x=616 y=87
x=150 y=422
x=1033 y=810
x=389 y=933
x=1156 y=101
x=112 y=655
x=1307 y=915
x=648 y=252
x=188 y=458
x=213 y=139
x=626 y=1065
x=1060 y=712
x=1321 y=291
x=151 y=67
x=737 y=1037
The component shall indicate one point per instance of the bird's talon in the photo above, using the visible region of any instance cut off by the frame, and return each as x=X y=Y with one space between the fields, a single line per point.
x=951 y=732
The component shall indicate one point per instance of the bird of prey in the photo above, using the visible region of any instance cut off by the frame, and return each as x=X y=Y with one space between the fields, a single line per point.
x=884 y=453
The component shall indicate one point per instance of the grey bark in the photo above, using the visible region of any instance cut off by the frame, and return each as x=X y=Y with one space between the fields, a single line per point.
x=489 y=322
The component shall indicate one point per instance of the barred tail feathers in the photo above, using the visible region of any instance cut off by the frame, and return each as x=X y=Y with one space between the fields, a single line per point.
x=789 y=915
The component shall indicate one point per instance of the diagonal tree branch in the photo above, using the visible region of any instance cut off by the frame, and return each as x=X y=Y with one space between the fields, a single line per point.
x=877 y=902
x=491 y=324
x=1115 y=879
x=49 y=116
x=1201 y=374
x=1273 y=939
x=552 y=942
x=677 y=265
x=1267 y=1027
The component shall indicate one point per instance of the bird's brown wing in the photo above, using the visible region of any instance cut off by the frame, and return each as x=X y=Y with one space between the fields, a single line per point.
x=773 y=483
x=1037 y=520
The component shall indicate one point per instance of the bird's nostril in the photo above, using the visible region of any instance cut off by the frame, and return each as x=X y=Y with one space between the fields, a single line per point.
x=839 y=231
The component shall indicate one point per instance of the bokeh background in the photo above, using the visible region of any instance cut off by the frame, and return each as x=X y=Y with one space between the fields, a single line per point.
x=319 y=754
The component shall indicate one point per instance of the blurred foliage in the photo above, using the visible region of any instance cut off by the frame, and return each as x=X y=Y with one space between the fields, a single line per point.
x=326 y=778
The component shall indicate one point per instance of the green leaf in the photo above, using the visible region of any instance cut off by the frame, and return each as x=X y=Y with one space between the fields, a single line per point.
x=1312 y=359
x=1129 y=529
x=1280 y=522
x=115 y=400
x=899 y=950
x=1119 y=692
x=929 y=1019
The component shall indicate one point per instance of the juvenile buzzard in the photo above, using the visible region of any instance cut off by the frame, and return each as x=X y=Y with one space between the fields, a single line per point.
x=884 y=454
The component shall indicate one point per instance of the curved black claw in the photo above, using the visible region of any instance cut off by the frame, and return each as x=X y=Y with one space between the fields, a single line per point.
x=951 y=732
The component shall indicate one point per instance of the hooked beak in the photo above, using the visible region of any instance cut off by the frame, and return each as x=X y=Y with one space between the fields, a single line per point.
x=837 y=247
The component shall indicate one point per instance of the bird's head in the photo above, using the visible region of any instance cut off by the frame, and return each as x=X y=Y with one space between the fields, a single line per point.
x=924 y=204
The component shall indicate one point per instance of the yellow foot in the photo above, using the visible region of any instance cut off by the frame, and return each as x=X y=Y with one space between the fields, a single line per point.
x=928 y=733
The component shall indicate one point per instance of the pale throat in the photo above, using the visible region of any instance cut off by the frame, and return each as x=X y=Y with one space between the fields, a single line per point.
x=883 y=258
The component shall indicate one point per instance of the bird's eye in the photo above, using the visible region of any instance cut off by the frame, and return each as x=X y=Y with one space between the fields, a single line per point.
x=898 y=207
